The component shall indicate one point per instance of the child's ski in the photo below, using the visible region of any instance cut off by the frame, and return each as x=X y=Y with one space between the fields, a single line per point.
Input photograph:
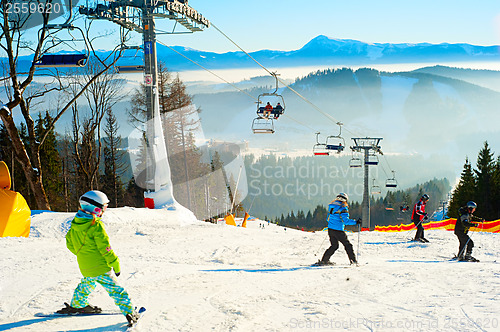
x=133 y=324
x=82 y=314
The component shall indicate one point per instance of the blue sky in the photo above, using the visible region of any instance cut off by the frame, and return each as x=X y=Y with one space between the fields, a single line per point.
x=289 y=24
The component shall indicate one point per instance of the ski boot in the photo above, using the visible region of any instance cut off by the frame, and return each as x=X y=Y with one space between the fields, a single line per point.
x=469 y=258
x=132 y=318
x=423 y=239
x=90 y=310
x=323 y=263
x=69 y=310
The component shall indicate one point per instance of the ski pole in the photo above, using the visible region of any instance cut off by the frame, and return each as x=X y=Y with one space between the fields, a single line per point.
x=411 y=230
x=465 y=246
x=416 y=228
x=321 y=245
x=359 y=234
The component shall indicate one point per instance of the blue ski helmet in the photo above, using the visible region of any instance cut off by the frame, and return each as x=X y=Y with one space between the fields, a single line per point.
x=471 y=205
x=94 y=202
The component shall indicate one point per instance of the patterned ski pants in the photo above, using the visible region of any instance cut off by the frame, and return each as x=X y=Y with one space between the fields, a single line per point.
x=117 y=292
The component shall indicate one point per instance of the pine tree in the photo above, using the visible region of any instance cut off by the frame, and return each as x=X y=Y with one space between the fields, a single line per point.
x=114 y=167
x=51 y=163
x=134 y=195
x=495 y=193
x=71 y=188
x=465 y=190
x=484 y=182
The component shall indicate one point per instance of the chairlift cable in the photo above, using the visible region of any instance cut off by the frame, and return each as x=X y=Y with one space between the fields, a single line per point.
x=388 y=165
x=281 y=81
x=233 y=85
x=387 y=161
x=383 y=169
x=299 y=122
x=211 y=72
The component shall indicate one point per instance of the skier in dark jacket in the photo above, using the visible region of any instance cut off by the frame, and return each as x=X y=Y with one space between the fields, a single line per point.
x=464 y=222
x=338 y=217
x=418 y=215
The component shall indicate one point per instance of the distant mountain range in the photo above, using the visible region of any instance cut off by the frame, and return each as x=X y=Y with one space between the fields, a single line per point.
x=322 y=50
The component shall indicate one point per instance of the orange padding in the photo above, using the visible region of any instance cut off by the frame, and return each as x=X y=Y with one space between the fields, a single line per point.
x=230 y=220
x=448 y=224
x=15 y=215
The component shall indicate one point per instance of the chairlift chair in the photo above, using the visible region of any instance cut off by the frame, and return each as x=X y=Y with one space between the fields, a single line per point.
x=320 y=149
x=278 y=102
x=278 y=108
x=129 y=69
x=372 y=159
x=404 y=208
x=336 y=142
x=376 y=188
x=355 y=162
x=126 y=67
x=391 y=183
x=261 y=125
x=78 y=59
x=62 y=60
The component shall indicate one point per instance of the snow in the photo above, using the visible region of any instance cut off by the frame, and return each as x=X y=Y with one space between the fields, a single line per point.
x=197 y=276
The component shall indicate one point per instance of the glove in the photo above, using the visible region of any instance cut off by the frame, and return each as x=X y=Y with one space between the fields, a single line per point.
x=358 y=222
x=116 y=267
x=425 y=217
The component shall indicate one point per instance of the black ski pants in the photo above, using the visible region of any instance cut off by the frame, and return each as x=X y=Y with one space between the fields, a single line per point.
x=464 y=239
x=420 y=229
x=335 y=238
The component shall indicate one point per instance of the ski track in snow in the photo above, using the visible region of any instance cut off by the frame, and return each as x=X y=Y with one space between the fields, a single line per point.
x=195 y=276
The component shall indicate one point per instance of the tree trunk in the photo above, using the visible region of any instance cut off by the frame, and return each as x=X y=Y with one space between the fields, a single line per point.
x=34 y=177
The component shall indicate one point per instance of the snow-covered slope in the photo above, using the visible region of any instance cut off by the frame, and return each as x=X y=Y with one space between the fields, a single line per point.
x=196 y=276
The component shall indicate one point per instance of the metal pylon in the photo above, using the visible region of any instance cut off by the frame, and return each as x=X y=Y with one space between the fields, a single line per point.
x=369 y=146
x=139 y=16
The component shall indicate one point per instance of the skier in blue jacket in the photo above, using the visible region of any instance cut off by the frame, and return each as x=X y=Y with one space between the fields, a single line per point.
x=338 y=217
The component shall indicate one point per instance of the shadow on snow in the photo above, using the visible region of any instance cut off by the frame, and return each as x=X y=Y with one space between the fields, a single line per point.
x=27 y=322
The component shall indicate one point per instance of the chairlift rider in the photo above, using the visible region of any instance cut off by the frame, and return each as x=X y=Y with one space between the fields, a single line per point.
x=278 y=110
x=334 y=142
x=268 y=110
x=335 y=147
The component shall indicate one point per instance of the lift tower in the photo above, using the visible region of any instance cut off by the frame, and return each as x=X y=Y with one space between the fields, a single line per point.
x=370 y=146
x=139 y=16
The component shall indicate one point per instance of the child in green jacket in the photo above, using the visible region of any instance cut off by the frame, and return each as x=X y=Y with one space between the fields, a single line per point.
x=87 y=239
